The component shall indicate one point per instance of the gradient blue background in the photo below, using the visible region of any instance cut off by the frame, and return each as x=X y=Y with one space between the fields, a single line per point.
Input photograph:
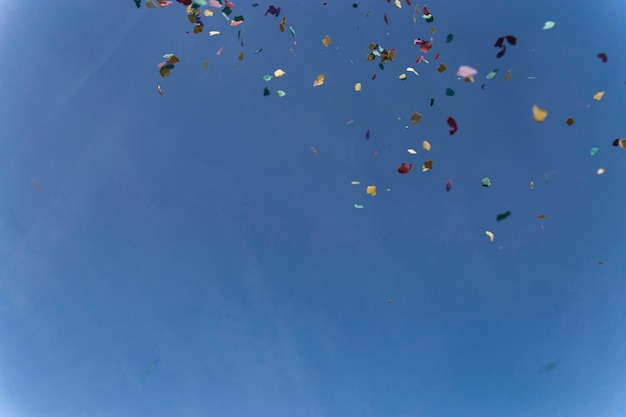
x=198 y=229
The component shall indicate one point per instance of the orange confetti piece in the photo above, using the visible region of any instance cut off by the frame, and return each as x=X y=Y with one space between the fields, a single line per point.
x=319 y=80
x=326 y=41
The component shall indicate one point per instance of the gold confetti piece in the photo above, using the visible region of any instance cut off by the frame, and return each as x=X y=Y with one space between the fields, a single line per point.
x=620 y=142
x=208 y=13
x=532 y=185
x=357 y=87
x=507 y=76
x=214 y=32
x=279 y=73
x=240 y=57
x=441 y=68
x=326 y=41
x=468 y=79
x=539 y=114
x=490 y=234
x=314 y=151
x=356 y=182
x=371 y=190
x=159 y=90
x=319 y=80
x=412 y=70
x=569 y=121
x=426 y=146
x=427 y=165
x=415 y=118
x=398 y=4
x=542 y=216
x=206 y=64
x=282 y=24
x=598 y=96
x=433 y=30
x=151 y=5
x=402 y=76
x=600 y=171
x=197 y=29
x=411 y=151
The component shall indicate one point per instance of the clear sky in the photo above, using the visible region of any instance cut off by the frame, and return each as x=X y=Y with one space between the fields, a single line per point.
x=190 y=255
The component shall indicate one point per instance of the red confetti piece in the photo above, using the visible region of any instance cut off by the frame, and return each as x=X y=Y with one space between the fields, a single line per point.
x=404 y=169
x=425 y=10
x=386 y=19
x=437 y=56
x=453 y=126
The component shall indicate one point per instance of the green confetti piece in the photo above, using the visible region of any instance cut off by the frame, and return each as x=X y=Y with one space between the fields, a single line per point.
x=227 y=11
x=492 y=74
x=381 y=66
x=503 y=216
x=281 y=93
x=258 y=51
x=267 y=78
x=355 y=5
x=255 y=4
x=449 y=92
x=358 y=206
x=293 y=31
x=449 y=38
x=548 y=25
x=138 y=3
x=486 y=182
x=266 y=92
x=432 y=102
x=594 y=150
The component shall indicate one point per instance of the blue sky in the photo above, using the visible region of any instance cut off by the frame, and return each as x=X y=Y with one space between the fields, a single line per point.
x=198 y=232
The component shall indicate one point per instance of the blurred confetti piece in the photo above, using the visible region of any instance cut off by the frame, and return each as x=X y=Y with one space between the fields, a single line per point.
x=371 y=190
x=404 y=169
x=465 y=71
x=598 y=96
x=428 y=165
x=450 y=37
x=448 y=185
x=241 y=55
x=314 y=151
x=208 y=13
x=36 y=184
x=266 y=92
x=453 y=126
x=492 y=74
x=281 y=93
x=410 y=69
x=319 y=80
x=214 y=32
x=441 y=68
x=539 y=114
x=398 y=4
x=542 y=216
x=349 y=122
x=486 y=182
x=449 y=92
x=532 y=185
x=594 y=150
x=267 y=78
x=159 y=90
x=490 y=234
x=293 y=31
x=402 y=76
x=206 y=64
x=507 y=76
x=426 y=146
x=600 y=171
x=415 y=118
x=219 y=51
x=503 y=216
x=367 y=134
x=620 y=142
x=411 y=151
x=548 y=25
x=355 y=182
x=603 y=57
x=326 y=41
x=357 y=87
x=278 y=73
x=150 y=5
x=569 y=121
x=358 y=206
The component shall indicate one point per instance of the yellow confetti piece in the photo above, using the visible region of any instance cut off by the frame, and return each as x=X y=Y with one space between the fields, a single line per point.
x=569 y=121
x=415 y=118
x=240 y=57
x=441 y=68
x=621 y=143
x=411 y=151
x=319 y=80
x=371 y=190
x=427 y=166
x=490 y=234
x=282 y=24
x=398 y=4
x=412 y=70
x=197 y=29
x=426 y=146
x=433 y=30
x=402 y=76
x=151 y=5
x=539 y=114
x=357 y=87
x=532 y=185
x=507 y=76
x=598 y=96
x=159 y=90
x=208 y=13
x=214 y=32
x=356 y=182
x=326 y=41
x=279 y=73
x=542 y=216
x=600 y=171
x=206 y=64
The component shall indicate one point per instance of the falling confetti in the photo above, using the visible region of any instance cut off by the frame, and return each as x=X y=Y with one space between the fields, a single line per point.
x=542 y=216
x=448 y=185
x=492 y=74
x=539 y=114
x=357 y=87
x=600 y=171
x=428 y=165
x=500 y=44
x=532 y=185
x=412 y=151
x=507 y=76
x=503 y=216
x=441 y=68
x=598 y=96
x=358 y=206
x=279 y=73
x=464 y=71
x=594 y=150
x=449 y=38
x=319 y=80
x=486 y=182
x=453 y=126
x=371 y=190
x=620 y=142
x=150 y=369
x=36 y=184
x=603 y=57
x=490 y=234
x=548 y=25
x=326 y=41
x=281 y=93
x=159 y=90
x=367 y=134
x=415 y=118
x=404 y=169
x=450 y=92
x=314 y=151
x=426 y=146
x=569 y=121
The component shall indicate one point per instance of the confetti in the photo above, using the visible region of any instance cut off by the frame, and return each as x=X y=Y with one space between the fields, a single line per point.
x=279 y=73
x=266 y=92
x=402 y=76
x=449 y=38
x=357 y=87
x=539 y=114
x=532 y=185
x=426 y=146
x=205 y=64
x=428 y=165
x=355 y=182
x=441 y=68
x=500 y=44
x=486 y=182
x=542 y=216
x=150 y=369
x=275 y=11
x=603 y=57
x=314 y=151
x=326 y=41
x=367 y=134
x=598 y=96
x=453 y=126
x=548 y=25
x=371 y=190
x=219 y=51
x=620 y=142
x=241 y=55
x=569 y=121
x=404 y=169
x=492 y=74
x=594 y=150
x=281 y=93
x=450 y=92
x=358 y=206
x=159 y=90
x=412 y=70
x=35 y=183
x=214 y=33
x=415 y=118
x=507 y=76
x=319 y=80
x=464 y=71
x=490 y=234
x=412 y=151
x=600 y=171
x=503 y=216
x=448 y=185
